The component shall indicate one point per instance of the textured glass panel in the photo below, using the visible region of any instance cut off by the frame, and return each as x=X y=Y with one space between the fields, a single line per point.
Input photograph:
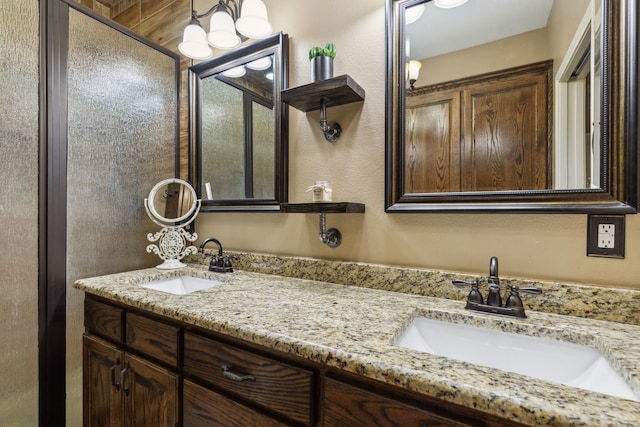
x=121 y=130
x=19 y=212
x=222 y=139
x=264 y=162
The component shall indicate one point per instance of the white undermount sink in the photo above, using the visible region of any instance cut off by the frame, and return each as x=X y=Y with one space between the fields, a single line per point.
x=562 y=362
x=181 y=285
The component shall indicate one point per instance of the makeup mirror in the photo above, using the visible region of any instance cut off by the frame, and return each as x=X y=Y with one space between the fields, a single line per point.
x=172 y=204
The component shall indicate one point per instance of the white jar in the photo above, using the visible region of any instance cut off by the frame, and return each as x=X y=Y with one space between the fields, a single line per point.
x=321 y=191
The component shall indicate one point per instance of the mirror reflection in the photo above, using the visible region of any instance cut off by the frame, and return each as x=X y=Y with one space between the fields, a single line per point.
x=172 y=200
x=240 y=126
x=502 y=96
x=238 y=132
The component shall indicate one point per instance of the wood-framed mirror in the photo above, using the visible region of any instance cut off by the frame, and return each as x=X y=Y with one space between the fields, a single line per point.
x=239 y=128
x=552 y=127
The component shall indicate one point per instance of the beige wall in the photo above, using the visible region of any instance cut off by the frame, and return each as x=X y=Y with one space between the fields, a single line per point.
x=551 y=42
x=536 y=246
x=522 y=49
x=563 y=22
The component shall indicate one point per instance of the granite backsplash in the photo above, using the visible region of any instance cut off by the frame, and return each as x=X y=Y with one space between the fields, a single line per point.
x=594 y=302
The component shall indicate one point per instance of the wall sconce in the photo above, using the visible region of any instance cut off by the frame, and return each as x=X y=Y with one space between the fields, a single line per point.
x=413 y=70
x=232 y=21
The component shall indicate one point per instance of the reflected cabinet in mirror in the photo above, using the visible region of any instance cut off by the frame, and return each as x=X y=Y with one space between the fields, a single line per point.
x=239 y=127
x=519 y=105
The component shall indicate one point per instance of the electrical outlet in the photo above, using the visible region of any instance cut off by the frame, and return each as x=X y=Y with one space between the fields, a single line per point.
x=605 y=236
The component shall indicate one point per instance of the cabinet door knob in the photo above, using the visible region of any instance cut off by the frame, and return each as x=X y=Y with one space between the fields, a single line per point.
x=227 y=373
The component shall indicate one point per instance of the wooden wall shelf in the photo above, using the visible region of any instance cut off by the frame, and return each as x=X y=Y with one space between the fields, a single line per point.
x=324 y=207
x=338 y=90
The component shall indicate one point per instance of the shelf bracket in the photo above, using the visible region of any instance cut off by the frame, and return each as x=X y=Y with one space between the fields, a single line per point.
x=331 y=131
x=331 y=237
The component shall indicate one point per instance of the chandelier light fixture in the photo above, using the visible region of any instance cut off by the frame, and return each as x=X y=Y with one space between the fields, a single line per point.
x=232 y=21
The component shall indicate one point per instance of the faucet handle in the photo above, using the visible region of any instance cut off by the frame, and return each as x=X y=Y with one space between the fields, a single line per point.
x=226 y=265
x=531 y=290
x=474 y=294
x=514 y=299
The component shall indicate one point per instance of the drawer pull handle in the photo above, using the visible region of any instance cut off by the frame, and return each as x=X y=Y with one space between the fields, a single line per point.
x=113 y=375
x=125 y=388
x=227 y=373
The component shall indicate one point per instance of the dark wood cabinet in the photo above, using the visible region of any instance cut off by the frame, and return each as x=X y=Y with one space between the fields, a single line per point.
x=102 y=364
x=147 y=370
x=150 y=394
x=120 y=388
x=486 y=133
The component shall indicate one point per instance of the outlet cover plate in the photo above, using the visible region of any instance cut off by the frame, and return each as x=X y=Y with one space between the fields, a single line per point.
x=593 y=228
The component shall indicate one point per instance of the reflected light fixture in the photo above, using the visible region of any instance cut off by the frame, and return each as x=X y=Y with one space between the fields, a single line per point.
x=413 y=69
x=231 y=22
x=235 y=72
x=260 y=63
x=413 y=13
x=448 y=4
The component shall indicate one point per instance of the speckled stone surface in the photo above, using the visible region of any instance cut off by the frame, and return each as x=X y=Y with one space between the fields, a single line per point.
x=594 y=302
x=354 y=328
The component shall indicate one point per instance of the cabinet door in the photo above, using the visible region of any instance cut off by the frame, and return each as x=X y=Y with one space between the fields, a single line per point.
x=432 y=146
x=506 y=134
x=150 y=394
x=102 y=402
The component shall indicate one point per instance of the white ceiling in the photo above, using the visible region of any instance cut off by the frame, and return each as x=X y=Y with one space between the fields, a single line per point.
x=474 y=23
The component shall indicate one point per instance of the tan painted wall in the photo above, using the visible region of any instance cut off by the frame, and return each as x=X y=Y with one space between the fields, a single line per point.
x=509 y=52
x=551 y=42
x=536 y=246
x=563 y=22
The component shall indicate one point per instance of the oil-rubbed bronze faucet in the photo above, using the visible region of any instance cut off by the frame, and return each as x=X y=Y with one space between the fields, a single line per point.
x=493 y=304
x=219 y=263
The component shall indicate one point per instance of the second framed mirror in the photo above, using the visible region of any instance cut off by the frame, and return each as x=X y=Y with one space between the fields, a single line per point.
x=514 y=106
x=239 y=137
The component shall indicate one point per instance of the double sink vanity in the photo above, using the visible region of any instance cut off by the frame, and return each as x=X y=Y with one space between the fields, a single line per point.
x=249 y=348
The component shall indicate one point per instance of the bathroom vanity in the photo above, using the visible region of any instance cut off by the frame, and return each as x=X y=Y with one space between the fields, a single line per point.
x=259 y=349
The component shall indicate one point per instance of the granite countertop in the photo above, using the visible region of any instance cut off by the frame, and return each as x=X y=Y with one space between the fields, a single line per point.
x=353 y=329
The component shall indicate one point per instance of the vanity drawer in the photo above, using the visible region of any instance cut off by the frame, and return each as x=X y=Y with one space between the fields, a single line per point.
x=103 y=319
x=272 y=384
x=153 y=338
x=346 y=405
x=204 y=407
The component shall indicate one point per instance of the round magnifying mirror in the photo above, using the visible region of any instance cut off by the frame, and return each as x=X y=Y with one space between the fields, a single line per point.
x=172 y=200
